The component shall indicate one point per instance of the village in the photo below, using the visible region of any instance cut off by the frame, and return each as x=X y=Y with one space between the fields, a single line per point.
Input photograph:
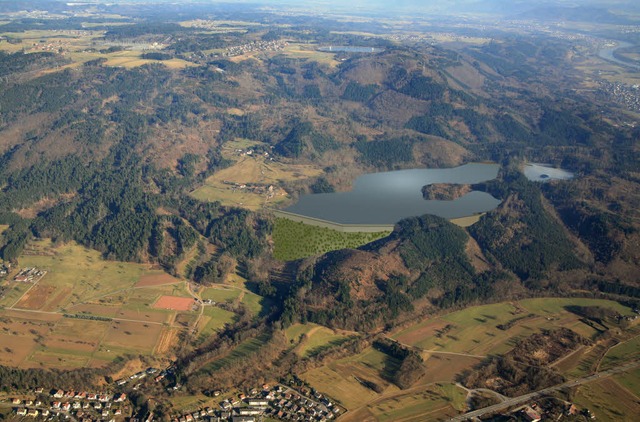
x=251 y=47
x=83 y=405
x=278 y=402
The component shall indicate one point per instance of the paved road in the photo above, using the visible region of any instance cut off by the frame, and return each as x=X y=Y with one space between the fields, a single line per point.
x=527 y=397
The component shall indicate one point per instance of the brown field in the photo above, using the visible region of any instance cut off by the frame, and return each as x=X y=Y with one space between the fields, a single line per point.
x=101 y=310
x=57 y=299
x=36 y=297
x=156 y=280
x=56 y=360
x=572 y=360
x=72 y=345
x=609 y=401
x=133 y=336
x=146 y=315
x=15 y=349
x=25 y=328
x=174 y=302
x=421 y=331
x=254 y=169
x=31 y=316
x=166 y=341
x=185 y=320
x=72 y=329
x=445 y=368
x=347 y=390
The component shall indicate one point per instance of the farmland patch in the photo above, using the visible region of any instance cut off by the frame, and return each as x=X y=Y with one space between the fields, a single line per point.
x=175 y=303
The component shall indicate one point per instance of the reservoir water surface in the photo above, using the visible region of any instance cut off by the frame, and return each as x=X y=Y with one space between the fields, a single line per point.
x=388 y=197
x=543 y=172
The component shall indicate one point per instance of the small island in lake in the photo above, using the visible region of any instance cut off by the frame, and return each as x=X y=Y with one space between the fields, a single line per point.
x=444 y=191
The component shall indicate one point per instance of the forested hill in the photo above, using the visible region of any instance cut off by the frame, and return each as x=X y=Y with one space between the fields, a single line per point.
x=110 y=156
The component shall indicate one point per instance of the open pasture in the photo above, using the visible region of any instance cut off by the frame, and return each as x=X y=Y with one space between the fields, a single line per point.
x=475 y=330
x=252 y=170
x=343 y=387
x=156 y=278
x=79 y=282
x=630 y=380
x=254 y=303
x=167 y=341
x=15 y=349
x=36 y=297
x=244 y=349
x=81 y=47
x=315 y=339
x=622 y=352
x=608 y=401
x=108 y=311
x=220 y=294
x=341 y=377
x=445 y=368
x=13 y=293
x=128 y=336
x=56 y=359
x=214 y=319
x=437 y=402
x=310 y=52
x=79 y=271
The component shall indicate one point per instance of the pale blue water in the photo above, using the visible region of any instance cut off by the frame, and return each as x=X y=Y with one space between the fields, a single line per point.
x=386 y=198
x=542 y=173
x=349 y=49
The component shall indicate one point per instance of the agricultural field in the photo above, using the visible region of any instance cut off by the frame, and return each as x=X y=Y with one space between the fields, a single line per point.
x=214 y=319
x=475 y=330
x=310 y=52
x=80 y=47
x=220 y=294
x=608 y=401
x=622 y=352
x=255 y=304
x=75 y=274
x=109 y=308
x=236 y=292
x=224 y=185
x=437 y=402
x=175 y=303
x=295 y=240
x=629 y=380
x=243 y=350
x=312 y=338
x=341 y=379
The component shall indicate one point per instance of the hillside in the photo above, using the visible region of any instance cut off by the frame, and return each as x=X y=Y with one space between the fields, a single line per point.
x=143 y=149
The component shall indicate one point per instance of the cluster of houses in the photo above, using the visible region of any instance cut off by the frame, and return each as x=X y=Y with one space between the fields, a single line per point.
x=4 y=269
x=239 y=50
x=277 y=402
x=83 y=405
x=140 y=375
x=29 y=275
x=626 y=94
x=534 y=413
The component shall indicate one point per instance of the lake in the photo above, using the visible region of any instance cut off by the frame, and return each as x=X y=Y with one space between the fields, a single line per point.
x=349 y=49
x=543 y=172
x=388 y=197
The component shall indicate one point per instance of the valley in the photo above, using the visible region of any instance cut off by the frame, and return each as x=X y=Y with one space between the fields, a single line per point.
x=223 y=211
